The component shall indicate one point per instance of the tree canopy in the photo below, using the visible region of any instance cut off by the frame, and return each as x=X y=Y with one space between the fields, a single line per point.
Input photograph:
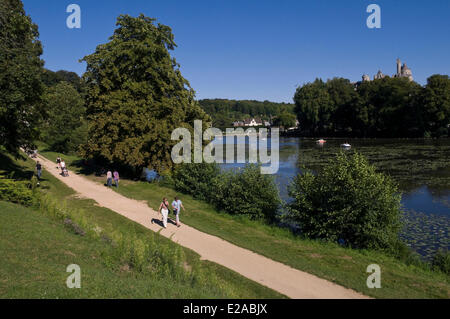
x=21 y=108
x=436 y=101
x=388 y=107
x=285 y=120
x=65 y=128
x=313 y=106
x=51 y=78
x=136 y=96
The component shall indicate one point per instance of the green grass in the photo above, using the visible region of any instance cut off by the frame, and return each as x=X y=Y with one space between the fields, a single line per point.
x=45 y=247
x=344 y=266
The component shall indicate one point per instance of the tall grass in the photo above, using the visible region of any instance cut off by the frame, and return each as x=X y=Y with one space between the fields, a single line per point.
x=128 y=252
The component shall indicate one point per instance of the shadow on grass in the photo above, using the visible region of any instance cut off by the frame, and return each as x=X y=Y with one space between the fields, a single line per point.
x=87 y=167
x=99 y=169
x=13 y=170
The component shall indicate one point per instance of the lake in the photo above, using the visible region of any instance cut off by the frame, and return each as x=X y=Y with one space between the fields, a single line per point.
x=421 y=168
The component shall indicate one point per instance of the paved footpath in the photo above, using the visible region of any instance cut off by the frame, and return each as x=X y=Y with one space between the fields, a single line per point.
x=275 y=275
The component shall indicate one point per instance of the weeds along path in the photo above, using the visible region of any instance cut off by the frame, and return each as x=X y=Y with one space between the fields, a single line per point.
x=286 y=280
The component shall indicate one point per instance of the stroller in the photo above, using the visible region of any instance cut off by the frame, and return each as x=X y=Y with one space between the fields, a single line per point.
x=65 y=172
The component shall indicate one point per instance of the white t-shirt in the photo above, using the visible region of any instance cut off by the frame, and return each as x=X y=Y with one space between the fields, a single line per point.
x=63 y=164
x=177 y=205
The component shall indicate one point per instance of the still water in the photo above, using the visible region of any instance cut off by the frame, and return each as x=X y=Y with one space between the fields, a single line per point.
x=421 y=168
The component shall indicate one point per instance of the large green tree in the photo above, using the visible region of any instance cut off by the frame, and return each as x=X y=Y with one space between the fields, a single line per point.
x=436 y=103
x=285 y=120
x=345 y=100
x=392 y=108
x=314 y=107
x=136 y=96
x=66 y=128
x=21 y=88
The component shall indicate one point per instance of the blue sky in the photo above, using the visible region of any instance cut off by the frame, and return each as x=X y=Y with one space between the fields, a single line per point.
x=262 y=50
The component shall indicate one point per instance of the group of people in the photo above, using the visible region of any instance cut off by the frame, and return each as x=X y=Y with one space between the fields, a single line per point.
x=177 y=205
x=62 y=166
x=110 y=176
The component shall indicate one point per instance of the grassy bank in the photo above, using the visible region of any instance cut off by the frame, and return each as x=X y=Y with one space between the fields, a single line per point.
x=45 y=247
x=344 y=266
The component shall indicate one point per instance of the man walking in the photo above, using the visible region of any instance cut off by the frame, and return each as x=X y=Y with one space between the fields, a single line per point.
x=39 y=170
x=177 y=205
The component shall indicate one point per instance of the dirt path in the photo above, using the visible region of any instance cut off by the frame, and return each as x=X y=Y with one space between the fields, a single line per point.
x=275 y=275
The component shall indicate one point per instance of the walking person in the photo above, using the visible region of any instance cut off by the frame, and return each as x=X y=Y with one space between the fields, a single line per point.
x=109 y=178
x=58 y=162
x=177 y=205
x=164 y=211
x=116 y=178
x=39 y=170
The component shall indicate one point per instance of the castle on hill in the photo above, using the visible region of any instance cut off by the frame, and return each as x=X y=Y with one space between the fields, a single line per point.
x=403 y=71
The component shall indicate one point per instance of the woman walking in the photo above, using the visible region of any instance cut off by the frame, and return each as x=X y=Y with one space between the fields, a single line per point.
x=116 y=178
x=164 y=211
x=109 y=178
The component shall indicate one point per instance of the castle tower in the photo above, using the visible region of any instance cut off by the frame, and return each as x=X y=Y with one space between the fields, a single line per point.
x=399 y=68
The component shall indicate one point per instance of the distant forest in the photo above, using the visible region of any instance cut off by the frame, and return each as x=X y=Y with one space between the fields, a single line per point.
x=224 y=112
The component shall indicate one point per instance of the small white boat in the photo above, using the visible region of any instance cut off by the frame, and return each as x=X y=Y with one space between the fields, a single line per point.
x=321 y=141
x=346 y=146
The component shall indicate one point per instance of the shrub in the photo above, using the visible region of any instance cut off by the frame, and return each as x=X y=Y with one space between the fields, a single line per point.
x=247 y=192
x=19 y=192
x=196 y=179
x=347 y=201
x=441 y=261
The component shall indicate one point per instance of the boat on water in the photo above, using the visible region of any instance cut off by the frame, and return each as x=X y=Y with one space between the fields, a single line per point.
x=346 y=146
x=321 y=141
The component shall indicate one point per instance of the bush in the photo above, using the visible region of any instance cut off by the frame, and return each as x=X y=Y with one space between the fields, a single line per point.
x=247 y=192
x=349 y=202
x=196 y=179
x=19 y=192
x=441 y=261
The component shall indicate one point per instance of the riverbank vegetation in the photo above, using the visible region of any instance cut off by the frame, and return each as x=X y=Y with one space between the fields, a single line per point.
x=417 y=165
x=388 y=107
x=245 y=192
x=347 y=202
